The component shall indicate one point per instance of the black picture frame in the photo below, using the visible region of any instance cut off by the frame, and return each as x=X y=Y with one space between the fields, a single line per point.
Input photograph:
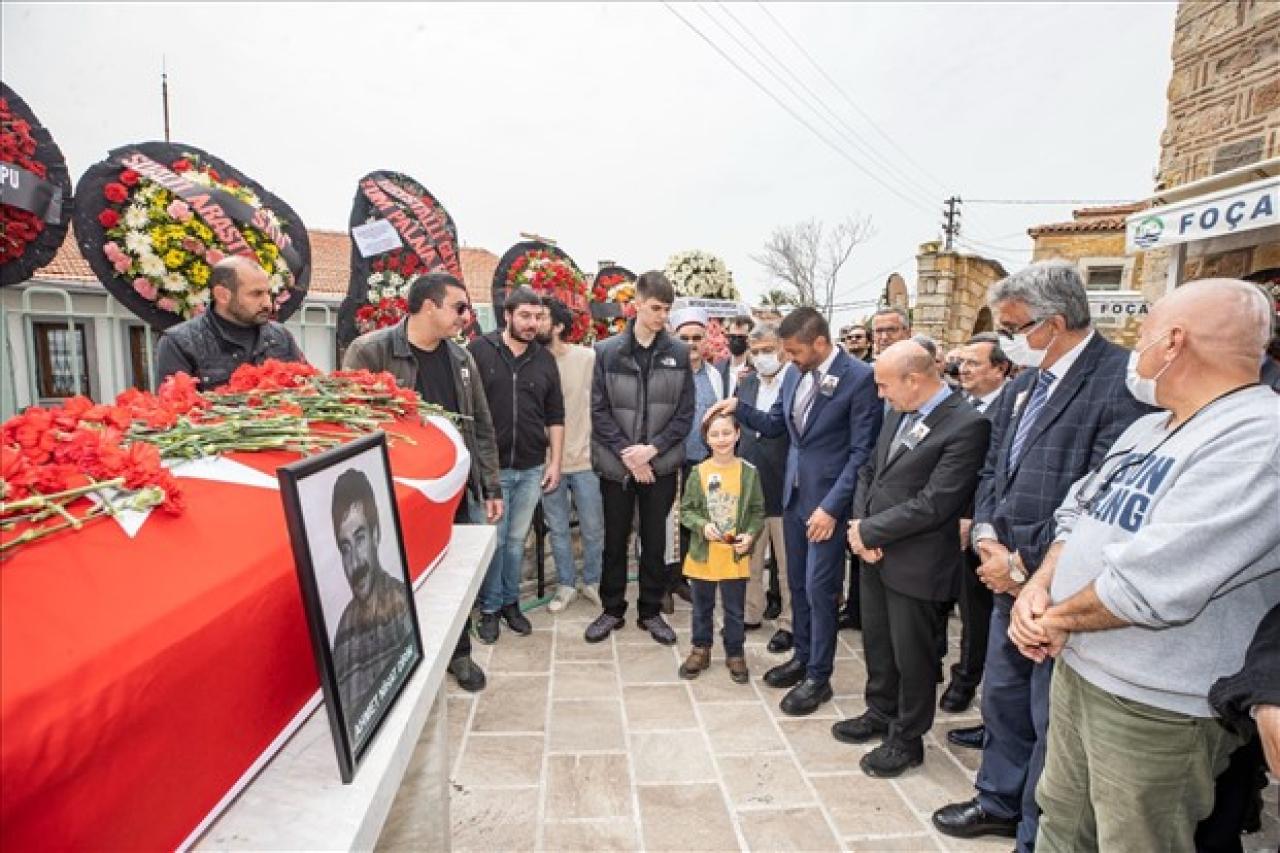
x=312 y=491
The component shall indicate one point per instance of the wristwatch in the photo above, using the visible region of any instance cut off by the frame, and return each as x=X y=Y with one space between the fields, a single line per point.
x=1016 y=573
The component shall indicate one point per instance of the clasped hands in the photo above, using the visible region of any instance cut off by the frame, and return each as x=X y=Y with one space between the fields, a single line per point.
x=741 y=543
x=637 y=458
x=857 y=546
x=1034 y=635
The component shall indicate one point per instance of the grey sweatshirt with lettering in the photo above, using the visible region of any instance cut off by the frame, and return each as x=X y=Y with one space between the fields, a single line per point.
x=1183 y=544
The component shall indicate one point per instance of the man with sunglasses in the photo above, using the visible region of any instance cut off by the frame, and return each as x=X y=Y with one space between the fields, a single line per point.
x=1140 y=631
x=1051 y=426
x=856 y=343
x=420 y=353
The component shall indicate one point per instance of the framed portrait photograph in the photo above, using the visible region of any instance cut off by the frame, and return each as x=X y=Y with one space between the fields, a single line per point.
x=345 y=529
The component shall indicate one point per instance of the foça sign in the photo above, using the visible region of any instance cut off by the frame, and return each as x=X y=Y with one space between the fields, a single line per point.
x=1246 y=208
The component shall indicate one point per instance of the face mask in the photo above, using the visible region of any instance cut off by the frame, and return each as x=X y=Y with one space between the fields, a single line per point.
x=738 y=344
x=1022 y=353
x=1142 y=388
x=767 y=364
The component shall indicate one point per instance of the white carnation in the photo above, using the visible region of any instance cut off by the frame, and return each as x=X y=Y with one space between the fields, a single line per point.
x=151 y=266
x=174 y=282
x=135 y=217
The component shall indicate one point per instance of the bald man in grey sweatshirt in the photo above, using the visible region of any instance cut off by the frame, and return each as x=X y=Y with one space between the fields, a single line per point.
x=1168 y=557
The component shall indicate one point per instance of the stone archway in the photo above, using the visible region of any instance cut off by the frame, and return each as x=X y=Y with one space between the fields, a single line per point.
x=983 y=323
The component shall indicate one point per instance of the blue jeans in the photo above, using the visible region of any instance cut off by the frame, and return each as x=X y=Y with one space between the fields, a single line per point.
x=733 y=596
x=585 y=486
x=520 y=493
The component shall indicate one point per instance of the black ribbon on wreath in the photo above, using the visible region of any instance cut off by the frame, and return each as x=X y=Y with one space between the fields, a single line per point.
x=421 y=224
x=46 y=201
x=223 y=213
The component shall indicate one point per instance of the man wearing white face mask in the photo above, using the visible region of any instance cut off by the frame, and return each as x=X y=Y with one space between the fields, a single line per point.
x=760 y=389
x=1142 y=631
x=1051 y=426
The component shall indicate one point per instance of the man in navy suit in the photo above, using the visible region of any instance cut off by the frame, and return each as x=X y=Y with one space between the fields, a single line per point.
x=1052 y=425
x=831 y=412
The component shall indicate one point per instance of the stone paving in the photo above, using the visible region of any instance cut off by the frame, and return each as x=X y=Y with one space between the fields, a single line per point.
x=603 y=747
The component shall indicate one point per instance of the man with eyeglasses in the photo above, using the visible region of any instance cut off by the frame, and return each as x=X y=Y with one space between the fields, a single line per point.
x=1052 y=425
x=888 y=326
x=420 y=353
x=856 y=343
x=1141 y=632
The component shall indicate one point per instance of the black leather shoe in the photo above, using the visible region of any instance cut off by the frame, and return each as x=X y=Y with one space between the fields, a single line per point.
x=773 y=609
x=604 y=625
x=780 y=642
x=969 y=820
x=970 y=738
x=658 y=629
x=487 y=630
x=805 y=698
x=516 y=620
x=849 y=621
x=859 y=729
x=788 y=674
x=891 y=759
x=956 y=699
x=470 y=677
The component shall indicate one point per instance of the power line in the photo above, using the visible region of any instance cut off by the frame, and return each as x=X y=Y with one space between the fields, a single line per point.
x=846 y=96
x=837 y=149
x=851 y=133
x=1050 y=201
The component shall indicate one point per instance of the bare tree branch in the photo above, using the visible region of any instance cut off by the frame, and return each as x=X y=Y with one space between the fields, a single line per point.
x=806 y=260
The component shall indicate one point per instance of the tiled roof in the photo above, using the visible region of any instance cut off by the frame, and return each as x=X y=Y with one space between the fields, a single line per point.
x=1091 y=219
x=330 y=266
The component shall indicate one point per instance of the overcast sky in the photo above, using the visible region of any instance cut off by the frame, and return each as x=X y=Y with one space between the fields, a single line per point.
x=616 y=129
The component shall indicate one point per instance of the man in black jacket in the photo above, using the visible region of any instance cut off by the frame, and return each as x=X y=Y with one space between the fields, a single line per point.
x=642 y=411
x=759 y=389
x=237 y=329
x=522 y=384
x=906 y=530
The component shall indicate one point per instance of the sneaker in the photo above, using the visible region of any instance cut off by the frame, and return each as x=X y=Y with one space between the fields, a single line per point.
x=564 y=595
x=516 y=620
x=658 y=629
x=698 y=660
x=487 y=630
x=738 y=670
x=860 y=729
x=470 y=677
x=891 y=759
x=604 y=625
x=591 y=592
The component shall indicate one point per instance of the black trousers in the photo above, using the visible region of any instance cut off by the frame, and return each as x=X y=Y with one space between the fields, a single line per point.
x=620 y=504
x=899 y=637
x=975 y=625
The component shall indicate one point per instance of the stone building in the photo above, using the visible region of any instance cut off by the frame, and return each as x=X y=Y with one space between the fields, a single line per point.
x=1216 y=208
x=951 y=294
x=1094 y=240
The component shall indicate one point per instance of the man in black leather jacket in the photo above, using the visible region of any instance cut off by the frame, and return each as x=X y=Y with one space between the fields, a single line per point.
x=237 y=329
x=641 y=412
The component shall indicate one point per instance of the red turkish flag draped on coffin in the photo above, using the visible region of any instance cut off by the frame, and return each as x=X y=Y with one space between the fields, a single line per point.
x=141 y=677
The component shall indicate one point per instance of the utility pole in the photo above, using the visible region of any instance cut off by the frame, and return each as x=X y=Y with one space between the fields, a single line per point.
x=164 y=95
x=951 y=224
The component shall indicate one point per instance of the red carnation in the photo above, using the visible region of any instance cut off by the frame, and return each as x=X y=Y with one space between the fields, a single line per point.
x=115 y=193
x=129 y=177
x=183 y=165
x=108 y=218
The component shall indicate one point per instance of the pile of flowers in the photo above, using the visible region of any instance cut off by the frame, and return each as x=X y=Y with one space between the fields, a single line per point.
x=701 y=275
x=18 y=228
x=620 y=289
x=548 y=274
x=65 y=467
x=388 y=294
x=155 y=240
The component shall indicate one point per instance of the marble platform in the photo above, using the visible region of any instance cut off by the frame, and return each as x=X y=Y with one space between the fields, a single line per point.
x=298 y=801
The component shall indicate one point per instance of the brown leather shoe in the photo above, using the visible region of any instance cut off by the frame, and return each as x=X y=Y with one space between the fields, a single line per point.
x=698 y=660
x=738 y=670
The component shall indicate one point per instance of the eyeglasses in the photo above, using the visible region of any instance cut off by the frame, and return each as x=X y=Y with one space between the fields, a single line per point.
x=1008 y=334
x=693 y=339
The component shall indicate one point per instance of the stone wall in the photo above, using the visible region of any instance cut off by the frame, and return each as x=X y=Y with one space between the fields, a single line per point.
x=951 y=294
x=1224 y=111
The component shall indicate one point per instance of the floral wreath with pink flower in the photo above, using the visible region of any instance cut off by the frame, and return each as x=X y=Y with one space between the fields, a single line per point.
x=155 y=239
x=549 y=275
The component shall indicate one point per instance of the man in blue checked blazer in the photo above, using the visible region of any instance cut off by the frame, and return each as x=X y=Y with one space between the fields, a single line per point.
x=1052 y=425
x=829 y=408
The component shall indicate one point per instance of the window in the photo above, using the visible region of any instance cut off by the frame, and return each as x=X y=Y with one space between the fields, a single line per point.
x=57 y=350
x=1104 y=277
x=140 y=366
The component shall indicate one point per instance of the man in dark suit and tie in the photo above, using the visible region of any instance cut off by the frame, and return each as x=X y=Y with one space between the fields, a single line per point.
x=829 y=409
x=1053 y=425
x=906 y=530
